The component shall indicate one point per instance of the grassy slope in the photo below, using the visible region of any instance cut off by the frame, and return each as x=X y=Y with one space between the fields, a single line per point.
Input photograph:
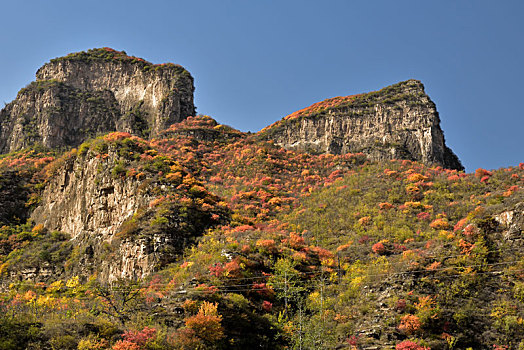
x=319 y=251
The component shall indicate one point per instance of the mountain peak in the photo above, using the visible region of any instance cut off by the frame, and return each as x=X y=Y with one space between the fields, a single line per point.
x=107 y=54
x=399 y=121
x=87 y=93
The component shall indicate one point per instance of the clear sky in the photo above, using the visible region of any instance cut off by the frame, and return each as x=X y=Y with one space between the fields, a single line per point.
x=255 y=61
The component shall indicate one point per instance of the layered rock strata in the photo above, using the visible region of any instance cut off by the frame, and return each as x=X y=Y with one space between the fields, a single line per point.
x=89 y=93
x=121 y=226
x=397 y=122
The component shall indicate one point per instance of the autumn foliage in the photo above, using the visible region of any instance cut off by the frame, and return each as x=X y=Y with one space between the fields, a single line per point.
x=409 y=345
x=206 y=324
x=409 y=324
x=278 y=249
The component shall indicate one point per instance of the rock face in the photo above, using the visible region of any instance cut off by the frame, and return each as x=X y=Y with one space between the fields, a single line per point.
x=88 y=93
x=397 y=122
x=86 y=201
x=115 y=228
x=513 y=223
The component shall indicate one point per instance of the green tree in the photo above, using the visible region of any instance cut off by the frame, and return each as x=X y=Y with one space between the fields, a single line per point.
x=286 y=281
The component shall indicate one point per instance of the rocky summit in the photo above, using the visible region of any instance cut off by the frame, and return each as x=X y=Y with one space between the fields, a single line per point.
x=397 y=122
x=128 y=223
x=86 y=94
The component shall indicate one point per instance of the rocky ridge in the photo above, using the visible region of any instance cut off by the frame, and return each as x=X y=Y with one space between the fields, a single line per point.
x=89 y=93
x=397 y=122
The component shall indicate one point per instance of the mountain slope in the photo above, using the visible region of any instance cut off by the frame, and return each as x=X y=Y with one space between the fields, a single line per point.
x=205 y=237
x=319 y=251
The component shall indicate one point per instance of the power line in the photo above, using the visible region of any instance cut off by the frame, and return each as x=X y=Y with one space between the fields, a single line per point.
x=227 y=288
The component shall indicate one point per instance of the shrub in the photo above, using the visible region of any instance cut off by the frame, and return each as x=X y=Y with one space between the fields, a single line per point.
x=267 y=305
x=385 y=205
x=207 y=323
x=415 y=177
x=440 y=224
x=92 y=344
x=364 y=221
x=409 y=324
x=379 y=248
x=424 y=216
x=268 y=245
x=409 y=345
x=480 y=173
x=140 y=337
x=119 y=170
x=126 y=345
x=401 y=305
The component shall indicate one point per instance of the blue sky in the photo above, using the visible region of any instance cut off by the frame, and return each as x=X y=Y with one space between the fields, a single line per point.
x=257 y=61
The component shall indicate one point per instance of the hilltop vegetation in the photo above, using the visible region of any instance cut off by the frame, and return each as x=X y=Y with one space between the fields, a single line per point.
x=298 y=251
x=111 y=55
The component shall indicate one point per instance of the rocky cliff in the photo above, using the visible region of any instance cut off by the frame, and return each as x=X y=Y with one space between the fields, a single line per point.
x=124 y=219
x=397 y=122
x=89 y=93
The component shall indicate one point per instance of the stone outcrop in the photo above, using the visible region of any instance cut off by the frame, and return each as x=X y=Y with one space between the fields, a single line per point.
x=88 y=93
x=512 y=222
x=114 y=228
x=397 y=122
x=117 y=231
x=84 y=200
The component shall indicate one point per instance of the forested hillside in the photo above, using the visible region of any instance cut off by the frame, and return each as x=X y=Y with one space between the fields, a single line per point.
x=283 y=249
